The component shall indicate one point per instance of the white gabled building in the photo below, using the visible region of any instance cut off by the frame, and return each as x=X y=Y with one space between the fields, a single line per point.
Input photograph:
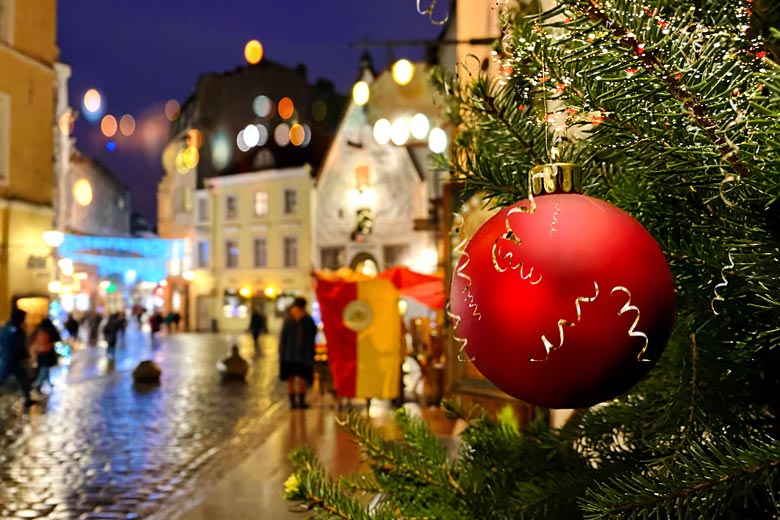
x=368 y=197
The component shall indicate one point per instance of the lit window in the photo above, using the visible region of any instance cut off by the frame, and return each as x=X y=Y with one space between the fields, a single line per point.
x=203 y=253
x=231 y=253
x=261 y=252
x=290 y=201
x=231 y=207
x=290 y=252
x=261 y=203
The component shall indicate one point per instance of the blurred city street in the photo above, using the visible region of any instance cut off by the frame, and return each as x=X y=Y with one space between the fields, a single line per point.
x=100 y=447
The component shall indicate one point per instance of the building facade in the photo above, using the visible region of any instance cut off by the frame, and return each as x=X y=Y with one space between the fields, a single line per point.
x=28 y=53
x=251 y=247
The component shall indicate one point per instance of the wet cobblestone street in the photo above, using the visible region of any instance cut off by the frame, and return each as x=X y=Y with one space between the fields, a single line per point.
x=101 y=448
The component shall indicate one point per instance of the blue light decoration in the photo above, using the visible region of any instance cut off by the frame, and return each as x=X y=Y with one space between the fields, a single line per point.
x=147 y=257
x=110 y=146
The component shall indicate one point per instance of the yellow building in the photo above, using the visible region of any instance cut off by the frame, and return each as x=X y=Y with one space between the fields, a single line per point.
x=28 y=52
x=252 y=246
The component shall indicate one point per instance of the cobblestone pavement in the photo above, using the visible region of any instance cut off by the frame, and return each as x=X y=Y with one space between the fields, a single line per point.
x=100 y=447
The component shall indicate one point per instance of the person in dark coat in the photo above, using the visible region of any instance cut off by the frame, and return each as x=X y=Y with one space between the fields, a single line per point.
x=72 y=327
x=42 y=340
x=296 y=352
x=14 y=353
x=111 y=332
x=258 y=324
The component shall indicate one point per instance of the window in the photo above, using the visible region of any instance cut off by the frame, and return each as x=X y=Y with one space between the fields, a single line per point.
x=203 y=254
x=203 y=210
x=290 y=201
x=231 y=253
x=395 y=255
x=332 y=257
x=290 y=252
x=261 y=203
x=261 y=252
x=5 y=138
x=231 y=207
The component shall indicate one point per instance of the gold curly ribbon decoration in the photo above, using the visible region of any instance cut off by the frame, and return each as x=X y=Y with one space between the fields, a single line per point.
x=548 y=345
x=554 y=223
x=726 y=180
x=722 y=285
x=508 y=256
x=429 y=12
x=632 y=330
x=471 y=304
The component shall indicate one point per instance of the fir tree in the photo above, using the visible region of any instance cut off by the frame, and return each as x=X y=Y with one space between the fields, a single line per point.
x=672 y=108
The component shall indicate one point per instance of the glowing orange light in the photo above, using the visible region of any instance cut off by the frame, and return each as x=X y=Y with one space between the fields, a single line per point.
x=82 y=192
x=127 y=125
x=172 y=110
x=65 y=123
x=285 y=108
x=253 y=52
x=194 y=138
x=108 y=126
x=297 y=134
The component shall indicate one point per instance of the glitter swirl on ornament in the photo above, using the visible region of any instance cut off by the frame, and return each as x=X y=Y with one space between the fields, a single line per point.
x=721 y=285
x=469 y=299
x=632 y=330
x=554 y=223
x=508 y=256
x=548 y=345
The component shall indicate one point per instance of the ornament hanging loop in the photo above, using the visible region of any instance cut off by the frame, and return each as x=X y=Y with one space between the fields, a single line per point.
x=555 y=178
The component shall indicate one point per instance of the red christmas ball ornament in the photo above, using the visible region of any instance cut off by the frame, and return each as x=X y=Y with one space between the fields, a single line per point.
x=562 y=300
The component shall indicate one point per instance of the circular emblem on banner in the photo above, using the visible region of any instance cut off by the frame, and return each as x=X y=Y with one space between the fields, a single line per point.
x=357 y=315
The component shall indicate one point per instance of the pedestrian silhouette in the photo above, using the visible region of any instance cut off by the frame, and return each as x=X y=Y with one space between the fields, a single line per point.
x=233 y=367
x=111 y=332
x=296 y=352
x=258 y=325
x=14 y=355
x=42 y=341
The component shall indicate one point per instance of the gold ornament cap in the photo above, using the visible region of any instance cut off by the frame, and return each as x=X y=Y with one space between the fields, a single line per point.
x=555 y=178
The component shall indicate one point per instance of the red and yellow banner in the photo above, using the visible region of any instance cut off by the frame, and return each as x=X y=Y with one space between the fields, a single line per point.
x=363 y=333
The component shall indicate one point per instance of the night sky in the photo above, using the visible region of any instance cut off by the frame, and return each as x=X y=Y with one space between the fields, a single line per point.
x=141 y=53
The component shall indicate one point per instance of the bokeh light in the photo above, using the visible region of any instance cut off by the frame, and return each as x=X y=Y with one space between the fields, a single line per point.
x=172 y=110
x=127 y=125
x=92 y=101
x=180 y=163
x=403 y=71
x=382 y=129
x=285 y=108
x=251 y=136
x=262 y=132
x=241 y=143
x=221 y=150
x=253 y=52
x=65 y=123
x=194 y=138
x=399 y=132
x=282 y=134
x=319 y=110
x=297 y=134
x=420 y=126
x=263 y=106
x=437 y=140
x=191 y=157
x=307 y=136
x=360 y=93
x=108 y=126
x=111 y=146
x=82 y=192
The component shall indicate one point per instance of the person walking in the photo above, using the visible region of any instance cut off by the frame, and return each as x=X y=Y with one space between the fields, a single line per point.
x=296 y=352
x=72 y=328
x=42 y=340
x=258 y=325
x=111 y=333
x=14 y=354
